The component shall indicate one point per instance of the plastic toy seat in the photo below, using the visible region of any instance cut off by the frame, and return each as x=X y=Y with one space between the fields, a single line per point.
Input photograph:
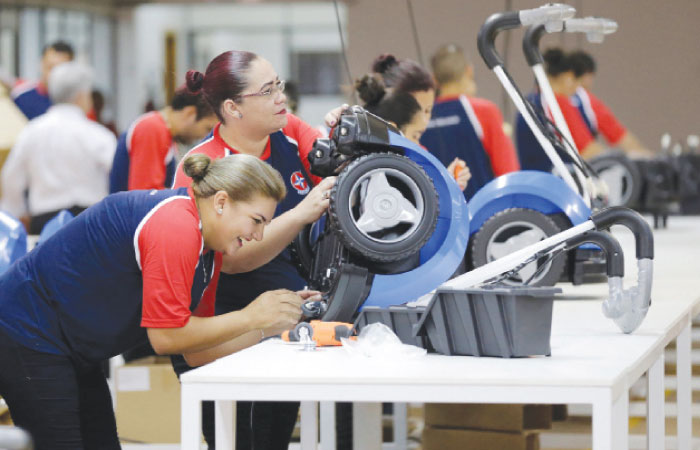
x=13 y=240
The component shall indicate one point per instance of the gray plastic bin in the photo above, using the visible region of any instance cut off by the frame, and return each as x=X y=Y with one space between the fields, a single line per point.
x=401 y=319
x=505 y=321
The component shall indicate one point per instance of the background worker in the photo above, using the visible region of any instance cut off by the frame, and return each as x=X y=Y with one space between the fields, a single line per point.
x=112 y=278
x=32 y=97
x=247 y=96
x=597 y=116
x=146 y=154
x=383 y=89
x=62 y=158
x=561 y=77
x=465 y=127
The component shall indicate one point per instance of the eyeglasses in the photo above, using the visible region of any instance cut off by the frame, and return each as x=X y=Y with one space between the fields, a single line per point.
x=277 y=87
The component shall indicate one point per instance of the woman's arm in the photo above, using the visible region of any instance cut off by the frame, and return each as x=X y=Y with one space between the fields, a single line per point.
x=281 y=231
x=280 y=309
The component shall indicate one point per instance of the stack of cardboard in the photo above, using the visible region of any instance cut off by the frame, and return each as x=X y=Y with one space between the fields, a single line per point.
x=148 y=401
x=484 y=426
x=5 y=418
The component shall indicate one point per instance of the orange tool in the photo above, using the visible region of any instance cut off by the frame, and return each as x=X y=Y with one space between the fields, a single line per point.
x=457 y=170
x=323 y=333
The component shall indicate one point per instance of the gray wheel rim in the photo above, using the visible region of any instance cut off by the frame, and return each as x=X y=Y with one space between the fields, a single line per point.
x=382 y=206
x=496 y=248
x=619 y=181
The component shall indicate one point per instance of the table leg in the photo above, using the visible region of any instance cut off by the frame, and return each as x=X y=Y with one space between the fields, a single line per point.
x=611 y=422
x=400 y=426
x=656 y=417
x=328 y=436
x=190 y=418
x=225 y=424
x=309 y=425
x=367 y=426
x=683 y=389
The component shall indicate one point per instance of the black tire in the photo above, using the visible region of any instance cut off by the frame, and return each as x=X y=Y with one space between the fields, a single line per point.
x=631 y=183
x=302 y=252
x=512 y=222
x=396 y=242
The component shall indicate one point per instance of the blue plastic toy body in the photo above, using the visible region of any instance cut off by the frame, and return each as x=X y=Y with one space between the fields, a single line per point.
x=441 y=255
x=540 y=191
x=13 y=240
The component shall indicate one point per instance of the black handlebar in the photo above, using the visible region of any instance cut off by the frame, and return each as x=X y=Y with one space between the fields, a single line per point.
x=618 y=215
x=614 y=257
x=486 y=40
x=531 y=44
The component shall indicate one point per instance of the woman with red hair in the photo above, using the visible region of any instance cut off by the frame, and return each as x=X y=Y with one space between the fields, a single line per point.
x=247 y=95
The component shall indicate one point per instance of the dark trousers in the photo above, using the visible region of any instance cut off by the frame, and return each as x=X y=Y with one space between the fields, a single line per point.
x=61 y=405
x=259 y=425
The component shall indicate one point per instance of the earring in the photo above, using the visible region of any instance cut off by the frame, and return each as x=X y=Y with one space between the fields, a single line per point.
x=240 y=116
x=220 y=211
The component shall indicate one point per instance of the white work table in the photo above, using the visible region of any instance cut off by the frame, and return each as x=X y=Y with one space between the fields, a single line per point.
x=592 y=362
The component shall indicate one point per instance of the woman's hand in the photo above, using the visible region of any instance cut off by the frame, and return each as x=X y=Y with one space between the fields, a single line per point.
x=333 y=115
x=459 y=170
x=275 y=311
x=316 y=202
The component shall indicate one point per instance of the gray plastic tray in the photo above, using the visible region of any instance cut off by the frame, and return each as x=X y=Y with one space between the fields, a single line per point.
x=504 y=321
x=401 y=319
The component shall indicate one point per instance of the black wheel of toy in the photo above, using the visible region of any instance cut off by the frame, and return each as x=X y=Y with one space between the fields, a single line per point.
x=384 y=207
x=511 y=230
x=622 y=177
x=302 y=251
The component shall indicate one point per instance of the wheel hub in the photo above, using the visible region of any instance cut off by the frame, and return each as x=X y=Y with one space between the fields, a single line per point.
x=515 y=236
x=378 y=207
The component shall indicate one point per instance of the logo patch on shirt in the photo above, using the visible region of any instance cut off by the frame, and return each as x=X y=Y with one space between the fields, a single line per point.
x=299 y=183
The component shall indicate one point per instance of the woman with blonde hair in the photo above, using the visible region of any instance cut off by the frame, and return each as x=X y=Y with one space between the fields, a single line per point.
x=138 y=265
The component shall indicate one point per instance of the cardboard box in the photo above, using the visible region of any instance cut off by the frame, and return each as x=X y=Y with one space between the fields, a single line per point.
x=5 y=418
x=494 y=417
x=148 y=403
x=459 y=439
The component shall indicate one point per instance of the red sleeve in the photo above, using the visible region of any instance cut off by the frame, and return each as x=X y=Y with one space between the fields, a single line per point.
x=181 y=180
x=168 y=270
x=579 y=131
x=305 y=135
x=207 y=303
x=147 y=152
x=608 y=125
x=497 y=145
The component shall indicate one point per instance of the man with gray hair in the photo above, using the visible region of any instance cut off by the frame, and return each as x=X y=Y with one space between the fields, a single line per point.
x=61 y=158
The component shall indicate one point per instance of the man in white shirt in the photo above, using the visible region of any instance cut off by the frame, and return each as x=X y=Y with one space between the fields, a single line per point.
x=61 y=158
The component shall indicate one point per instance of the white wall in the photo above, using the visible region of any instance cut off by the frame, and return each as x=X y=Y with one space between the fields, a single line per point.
x=271 y=30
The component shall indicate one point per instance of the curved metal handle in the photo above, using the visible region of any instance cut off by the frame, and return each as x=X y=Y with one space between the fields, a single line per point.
x=595 y=27
x=531 y=44
x=486 y=40
x=618 y=215
x=551 y=15
x=614 y=257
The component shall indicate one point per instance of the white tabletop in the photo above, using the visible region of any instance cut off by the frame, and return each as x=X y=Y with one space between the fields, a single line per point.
x=587 y=348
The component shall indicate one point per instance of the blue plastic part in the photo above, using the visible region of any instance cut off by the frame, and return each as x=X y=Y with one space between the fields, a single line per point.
x=13 y=240
x=441 y=255
x=53 y=225
x=529 y=189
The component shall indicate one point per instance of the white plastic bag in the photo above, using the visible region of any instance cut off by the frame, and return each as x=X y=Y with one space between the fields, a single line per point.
x=379 y=341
